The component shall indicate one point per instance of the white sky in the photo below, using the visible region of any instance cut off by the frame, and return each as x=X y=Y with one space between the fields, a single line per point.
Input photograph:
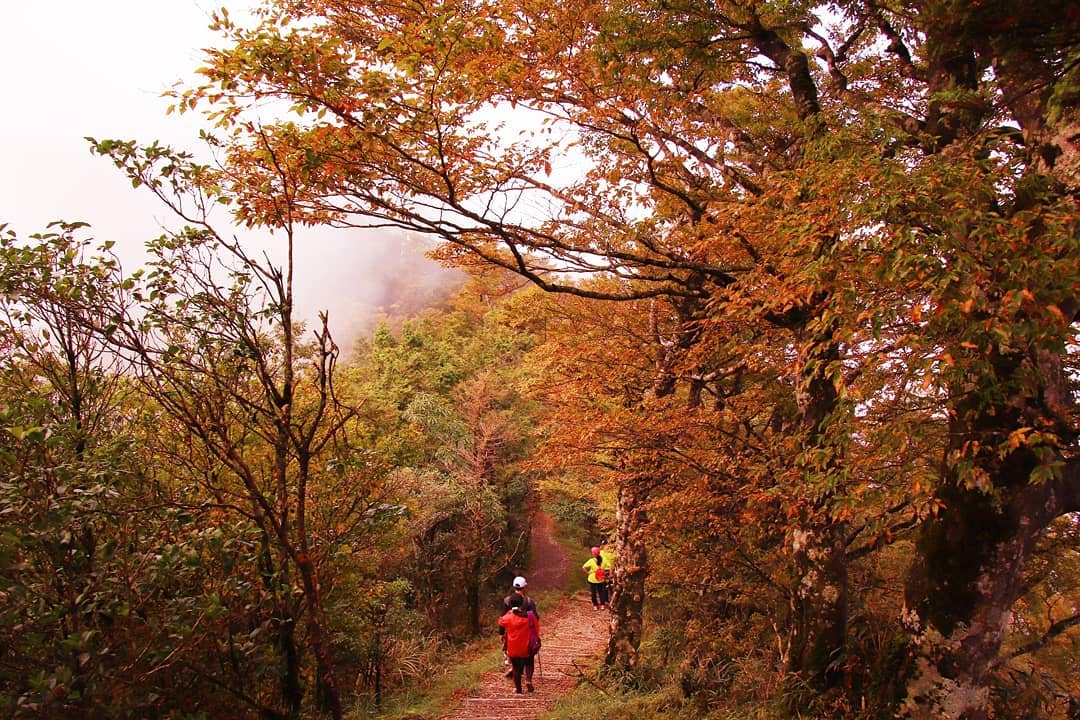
x=71 y=68
x=76 y=68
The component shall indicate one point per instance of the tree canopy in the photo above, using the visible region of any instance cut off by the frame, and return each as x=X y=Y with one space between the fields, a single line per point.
x=859 y=215
x=809 y=341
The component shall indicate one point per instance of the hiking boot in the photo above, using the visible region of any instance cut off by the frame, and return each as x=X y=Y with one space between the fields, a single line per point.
x=529 y=687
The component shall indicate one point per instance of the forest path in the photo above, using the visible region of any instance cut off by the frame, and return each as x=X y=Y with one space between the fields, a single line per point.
x=549 y=564
x=573 y=633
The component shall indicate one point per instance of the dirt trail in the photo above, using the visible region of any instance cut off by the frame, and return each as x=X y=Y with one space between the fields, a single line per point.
x=574 y=635
x=549 y=565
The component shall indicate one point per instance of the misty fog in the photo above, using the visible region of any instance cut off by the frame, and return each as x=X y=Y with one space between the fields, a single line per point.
x=360 y=277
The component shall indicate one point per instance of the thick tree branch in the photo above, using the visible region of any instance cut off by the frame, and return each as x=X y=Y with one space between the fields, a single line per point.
x=1055 y=629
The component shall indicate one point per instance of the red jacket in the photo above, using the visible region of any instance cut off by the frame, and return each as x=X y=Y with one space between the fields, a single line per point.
x=517 y=633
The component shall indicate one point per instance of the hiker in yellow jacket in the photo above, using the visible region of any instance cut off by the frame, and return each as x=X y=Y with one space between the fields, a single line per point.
x=598 y=580
x=607 y=562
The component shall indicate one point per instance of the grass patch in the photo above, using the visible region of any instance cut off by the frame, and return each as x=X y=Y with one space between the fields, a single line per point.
x=666 y=702
x=457 y=675
x=588 y=702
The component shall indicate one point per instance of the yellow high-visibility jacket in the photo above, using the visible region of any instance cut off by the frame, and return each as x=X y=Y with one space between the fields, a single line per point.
x=607 y=561
x=591 y=566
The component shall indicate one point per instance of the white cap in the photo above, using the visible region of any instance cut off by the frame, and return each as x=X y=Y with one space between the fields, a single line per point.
x=519 y=582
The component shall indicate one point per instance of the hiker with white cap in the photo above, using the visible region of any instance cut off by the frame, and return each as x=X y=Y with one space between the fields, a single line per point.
x=527 y=605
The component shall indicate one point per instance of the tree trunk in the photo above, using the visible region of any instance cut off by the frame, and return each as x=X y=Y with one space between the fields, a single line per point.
x=627 y=600
x=328 y=695
x=292 y=691
x=472 y=597
x=819 y=604
x=631 y=571
x=284 y=624
x=817 y=628
x=378 y=660
x=971 y=555
x=961 y=590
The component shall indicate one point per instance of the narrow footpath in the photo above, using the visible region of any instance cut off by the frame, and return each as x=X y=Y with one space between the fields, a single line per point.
x=574 y=637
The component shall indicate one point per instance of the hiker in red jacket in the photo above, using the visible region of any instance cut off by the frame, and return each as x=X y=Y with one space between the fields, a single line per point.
x=520 y=625
x=527 y=604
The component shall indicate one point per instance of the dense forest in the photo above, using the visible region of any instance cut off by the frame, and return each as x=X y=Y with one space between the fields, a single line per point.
x=781 y=296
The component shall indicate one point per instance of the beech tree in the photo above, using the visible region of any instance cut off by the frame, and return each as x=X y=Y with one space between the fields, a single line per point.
x=210 y=334
x=814 y=170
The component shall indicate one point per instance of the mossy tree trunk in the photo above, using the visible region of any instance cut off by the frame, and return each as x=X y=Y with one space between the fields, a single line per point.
x=996 y=503
x=631 y=571
x=817 y=540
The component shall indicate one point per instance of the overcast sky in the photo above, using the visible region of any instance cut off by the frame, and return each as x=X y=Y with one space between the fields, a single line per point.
x=76 y=68
x=71 y=68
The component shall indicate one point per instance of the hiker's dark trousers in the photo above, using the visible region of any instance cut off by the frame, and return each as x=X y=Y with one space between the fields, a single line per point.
x=599 y=593
x=521 y=666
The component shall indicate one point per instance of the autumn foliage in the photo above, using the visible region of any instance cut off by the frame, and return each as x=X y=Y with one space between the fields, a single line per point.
x=801 y=322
